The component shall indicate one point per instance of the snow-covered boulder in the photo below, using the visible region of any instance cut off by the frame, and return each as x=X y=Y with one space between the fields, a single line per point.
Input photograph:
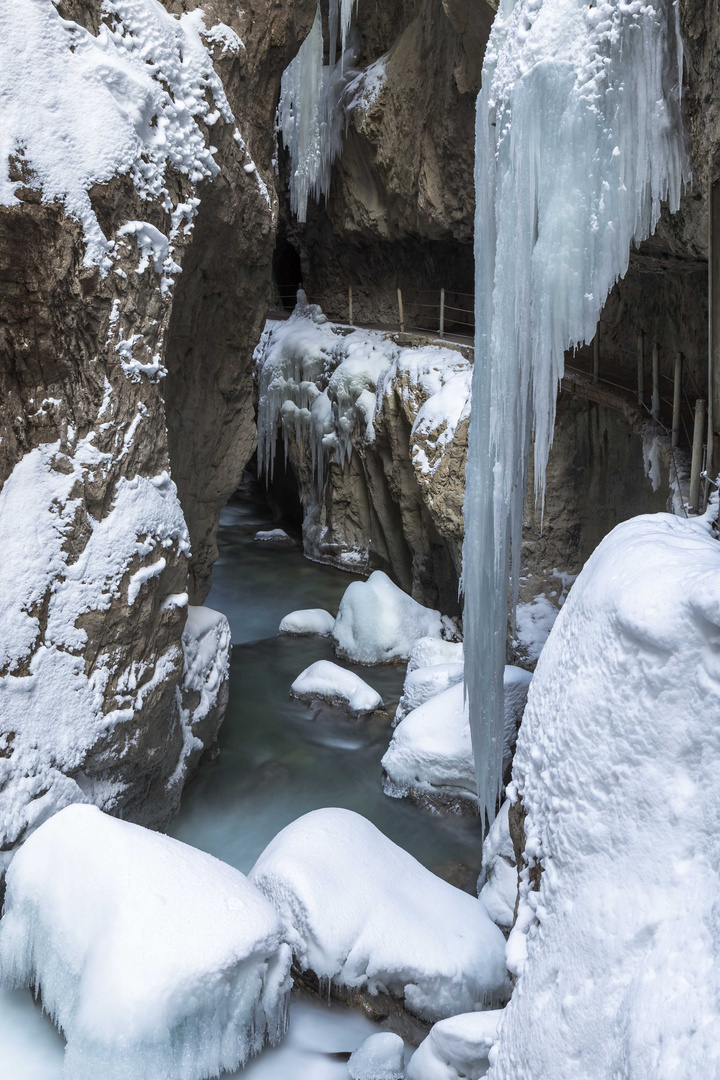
x=456 y=1048
x=273 y=536
x=157 y=961
x=378 y=623
x=428 y=651
x=328 y=682
x=362 y=913
x=423 y=683
x=308 y=621
x=498 y=882
x=617 y=766
x=430 y=756
x=380 y=1057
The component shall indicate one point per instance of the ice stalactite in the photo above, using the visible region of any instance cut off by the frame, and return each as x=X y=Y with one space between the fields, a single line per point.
x=579 y=141
x=310 y=117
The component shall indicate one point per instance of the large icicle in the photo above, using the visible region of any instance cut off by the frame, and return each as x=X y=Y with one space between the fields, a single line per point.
x=579 y=140
x=311 y=118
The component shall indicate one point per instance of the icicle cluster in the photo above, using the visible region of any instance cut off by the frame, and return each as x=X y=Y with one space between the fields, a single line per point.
x=310 y=115
x=579 y=140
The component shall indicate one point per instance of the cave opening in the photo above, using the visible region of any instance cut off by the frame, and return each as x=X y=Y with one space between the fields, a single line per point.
x=287 y=273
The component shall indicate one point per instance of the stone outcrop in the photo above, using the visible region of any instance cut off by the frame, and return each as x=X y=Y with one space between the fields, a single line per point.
x=119 y=394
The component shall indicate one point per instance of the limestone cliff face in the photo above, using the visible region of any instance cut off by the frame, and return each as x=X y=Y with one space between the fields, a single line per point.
x=122 y=389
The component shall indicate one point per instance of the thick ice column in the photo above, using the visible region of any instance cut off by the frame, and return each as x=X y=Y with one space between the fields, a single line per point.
x=579 y=140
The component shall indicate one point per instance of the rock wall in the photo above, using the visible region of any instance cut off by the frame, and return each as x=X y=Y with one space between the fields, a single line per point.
x=108 y=691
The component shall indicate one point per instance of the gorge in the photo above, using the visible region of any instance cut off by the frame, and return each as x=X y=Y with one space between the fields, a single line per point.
x=271 y=278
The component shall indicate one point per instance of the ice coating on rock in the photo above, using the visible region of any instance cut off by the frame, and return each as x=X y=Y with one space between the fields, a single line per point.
x=617 y=765
x=156 y=960
x=361 y=912
x=579 y=140
x=498 y=881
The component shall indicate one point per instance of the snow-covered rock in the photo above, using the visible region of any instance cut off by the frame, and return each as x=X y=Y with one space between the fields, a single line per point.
x=377 y=622
x=273 y=536
x=325 y=681
x=380 y=1057
x=617 y=766
x=430 y=755
x=456 y=1048
x=308 y=621
x=423 y=683
x=157 y=961
x=498 y=882
x=204 y=690
x=428 y=651
x=362 y=913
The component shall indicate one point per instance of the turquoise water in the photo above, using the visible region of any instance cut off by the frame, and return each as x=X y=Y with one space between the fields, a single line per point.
x=279 y=759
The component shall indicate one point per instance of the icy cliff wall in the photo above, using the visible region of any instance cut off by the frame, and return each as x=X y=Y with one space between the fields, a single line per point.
x=117 y=120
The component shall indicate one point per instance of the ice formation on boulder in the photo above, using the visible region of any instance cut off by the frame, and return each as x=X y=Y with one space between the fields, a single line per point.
x=362 y=913
x=380 y=1057
x=154 y=959
x=325 y=681
x=129 y=101
x=203 y=692
x=579 y=140
x=617 y=765
x=378 y=623
x=430 y=754
x=308 y=621
x=458 y=1048
x=273 y=536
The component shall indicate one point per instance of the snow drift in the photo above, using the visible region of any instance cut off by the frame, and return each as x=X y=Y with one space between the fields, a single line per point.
x=361 y=912
x=457 y=1048
x=617 y=767
x=156 y=960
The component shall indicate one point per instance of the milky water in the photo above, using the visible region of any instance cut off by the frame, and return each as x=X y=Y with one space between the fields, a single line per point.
x=279 y=759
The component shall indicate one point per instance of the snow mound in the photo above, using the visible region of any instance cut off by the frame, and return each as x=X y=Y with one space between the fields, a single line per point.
x=423 y=683
x=617 y=767
x=377 y=622
x=428 y=651
x=361 y=912
x=456 y=1048
x=273 y=536
x=431 y=750
x=308 y=621
x=156 y=960
x=380 y=1057
x=325 y=681
x=498 y=882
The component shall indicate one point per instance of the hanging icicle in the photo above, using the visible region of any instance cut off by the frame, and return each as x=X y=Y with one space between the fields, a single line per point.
x=310 y=115
x=579 y=140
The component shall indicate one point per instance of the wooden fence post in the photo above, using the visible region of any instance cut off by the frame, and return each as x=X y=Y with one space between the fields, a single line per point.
x=442 y=313
x=697 y=455
x=400 y=312
x=350 y=304
x=596 y=354
x=641 y=367
x=655 y=409
x=677 y=398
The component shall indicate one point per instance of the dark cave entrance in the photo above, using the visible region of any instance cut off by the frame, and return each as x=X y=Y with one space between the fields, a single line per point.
x=287 y=273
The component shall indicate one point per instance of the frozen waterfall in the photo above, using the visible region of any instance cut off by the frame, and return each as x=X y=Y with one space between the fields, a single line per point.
x=579 y=141
x=310 y=116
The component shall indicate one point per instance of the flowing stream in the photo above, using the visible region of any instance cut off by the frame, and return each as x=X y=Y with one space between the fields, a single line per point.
x=279 y=759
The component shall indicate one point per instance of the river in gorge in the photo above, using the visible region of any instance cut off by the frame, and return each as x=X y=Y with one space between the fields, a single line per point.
x=278 y=759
